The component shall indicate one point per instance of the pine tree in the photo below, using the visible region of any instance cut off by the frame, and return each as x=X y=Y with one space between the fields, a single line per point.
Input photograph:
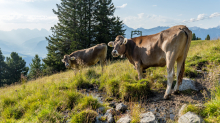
x=72 y=32
x=207 y=37
x=35 y=68
x=16 y=67
x=82 y=24
x=193 y=36
x=108 y=26
x=3 y=69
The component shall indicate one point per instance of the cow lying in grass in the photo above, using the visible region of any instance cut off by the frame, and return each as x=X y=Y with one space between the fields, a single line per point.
x=86 y=57
x=157 y=50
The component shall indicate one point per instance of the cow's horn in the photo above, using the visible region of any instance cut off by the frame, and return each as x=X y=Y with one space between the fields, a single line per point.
x=72 y=58
x=125 y=41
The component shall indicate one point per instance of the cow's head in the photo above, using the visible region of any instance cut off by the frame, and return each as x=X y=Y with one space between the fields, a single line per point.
x=67 y=60
x=119 y=46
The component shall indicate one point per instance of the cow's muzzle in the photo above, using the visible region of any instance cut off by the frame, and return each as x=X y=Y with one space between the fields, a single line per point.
x=115 y=53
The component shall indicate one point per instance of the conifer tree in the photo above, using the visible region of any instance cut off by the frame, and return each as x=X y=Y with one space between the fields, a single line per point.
x=16 y=67
x=3 y=67
x=207 y=37
x=72 y=32
x=82 y=24
x=108 y=26
x=35 y=68
x=193 y=36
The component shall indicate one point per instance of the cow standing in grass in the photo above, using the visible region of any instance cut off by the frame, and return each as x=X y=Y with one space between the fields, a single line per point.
x=86 y=57
x=157 y=50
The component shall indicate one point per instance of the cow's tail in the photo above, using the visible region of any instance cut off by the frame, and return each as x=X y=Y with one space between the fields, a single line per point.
x=189 y=37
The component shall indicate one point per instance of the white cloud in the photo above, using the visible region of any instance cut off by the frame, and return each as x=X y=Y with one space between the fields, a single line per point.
x=216 y=14
x=154 y=5
x=123 y=6
x=180 y=14
x=192 y=20
x=140 y=15
x=201 y=17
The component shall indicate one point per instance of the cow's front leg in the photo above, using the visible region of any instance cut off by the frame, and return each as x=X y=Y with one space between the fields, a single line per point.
x=139 y=70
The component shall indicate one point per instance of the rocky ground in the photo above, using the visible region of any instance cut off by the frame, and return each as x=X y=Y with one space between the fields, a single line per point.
x=163 y=110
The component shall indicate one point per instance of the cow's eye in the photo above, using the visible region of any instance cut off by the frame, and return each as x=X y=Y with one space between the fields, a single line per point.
x=121 y=43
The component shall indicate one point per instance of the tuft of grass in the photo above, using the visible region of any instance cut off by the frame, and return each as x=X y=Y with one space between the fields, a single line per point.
x=136 y=90
x=86 y=116
x=135 y=112
x=88 y=102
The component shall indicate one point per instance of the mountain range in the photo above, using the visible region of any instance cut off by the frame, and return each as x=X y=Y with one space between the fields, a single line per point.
x=28 y=42
x=199 y=32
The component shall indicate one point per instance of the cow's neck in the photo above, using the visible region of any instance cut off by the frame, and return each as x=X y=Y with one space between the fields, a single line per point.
x=129 y=51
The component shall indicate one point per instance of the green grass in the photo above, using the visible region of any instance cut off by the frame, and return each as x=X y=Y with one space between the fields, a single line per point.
x=46 y=99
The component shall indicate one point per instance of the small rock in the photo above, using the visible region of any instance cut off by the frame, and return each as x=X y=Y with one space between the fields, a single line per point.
x=182 y=109
x=190 y=117
x=125 y=119
x=109 y=116
x=148 y=117
x=187 y=84
x=110 y=119
x=121 y=107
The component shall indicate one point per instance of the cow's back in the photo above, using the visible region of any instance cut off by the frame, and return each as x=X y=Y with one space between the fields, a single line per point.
x=93 y=54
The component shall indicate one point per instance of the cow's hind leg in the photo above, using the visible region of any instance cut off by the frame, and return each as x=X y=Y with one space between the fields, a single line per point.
x=169 y=83
x=170 y=69
x=103 y=62
x=178 y=81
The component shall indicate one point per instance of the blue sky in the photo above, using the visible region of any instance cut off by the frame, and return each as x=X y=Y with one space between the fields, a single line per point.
x=147 y=14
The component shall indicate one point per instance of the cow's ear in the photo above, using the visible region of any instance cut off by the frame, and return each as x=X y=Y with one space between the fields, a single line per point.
x=111 y=44
x=63 y=60
x=72 y=58
x=125 y=41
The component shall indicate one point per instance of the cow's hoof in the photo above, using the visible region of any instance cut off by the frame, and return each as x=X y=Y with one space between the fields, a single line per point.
x=166 y=97
x=176 y=92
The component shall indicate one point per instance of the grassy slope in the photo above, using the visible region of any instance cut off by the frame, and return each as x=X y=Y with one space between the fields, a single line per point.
x=43 y=100
x=46 y=99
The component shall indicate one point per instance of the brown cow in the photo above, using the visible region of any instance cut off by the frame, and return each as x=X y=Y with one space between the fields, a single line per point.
x=157 y=50
x=86 y=57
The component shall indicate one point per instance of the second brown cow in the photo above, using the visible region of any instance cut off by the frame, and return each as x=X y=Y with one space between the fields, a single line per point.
x=86 y=57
